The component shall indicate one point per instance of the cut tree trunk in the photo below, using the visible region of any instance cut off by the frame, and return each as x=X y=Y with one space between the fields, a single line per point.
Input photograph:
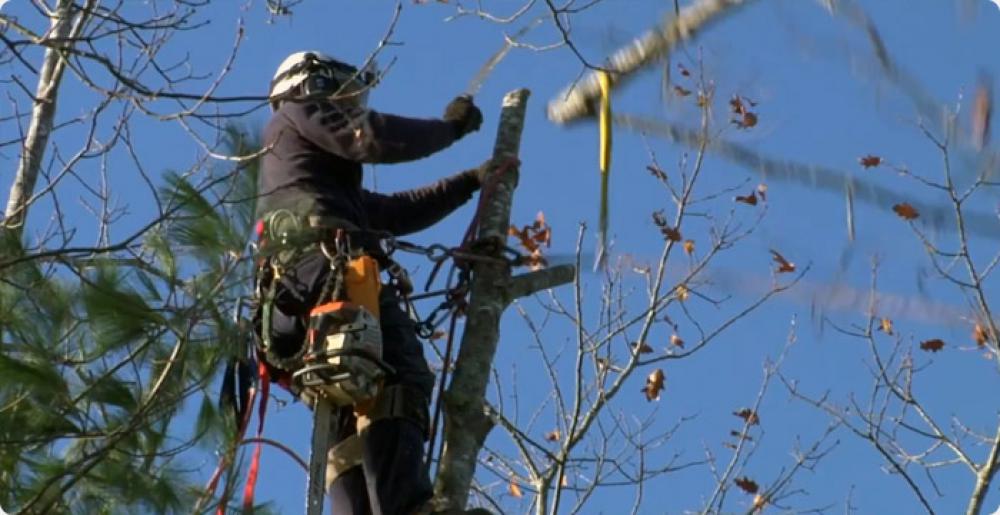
x=491 y=290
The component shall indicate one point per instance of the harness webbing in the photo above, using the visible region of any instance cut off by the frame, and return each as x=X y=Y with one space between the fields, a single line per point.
x=226 y=460
x=251 y=485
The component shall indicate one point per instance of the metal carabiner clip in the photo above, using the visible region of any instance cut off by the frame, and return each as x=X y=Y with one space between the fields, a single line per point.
x=437 y=253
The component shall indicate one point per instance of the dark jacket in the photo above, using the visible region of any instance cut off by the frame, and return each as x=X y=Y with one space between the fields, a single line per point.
x=313 y=166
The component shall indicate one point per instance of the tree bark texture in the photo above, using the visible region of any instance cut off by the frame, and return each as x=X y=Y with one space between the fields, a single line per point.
x=42 y=116
x=578 y=100
x=492 y=288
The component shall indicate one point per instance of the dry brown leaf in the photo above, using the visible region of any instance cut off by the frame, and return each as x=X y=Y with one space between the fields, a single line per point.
x=553 y=436
x=906 y=211
x=643 y=348
x=885 y=325
x=748 y=415
x=657 y=172
x=745 y=118
x=676 y=341
x=736 y=105
x=683 y=293
x=979 y=335
x=523 y=237
x=689 y=247
x=438 y=334
x=932 y=345
x=750 y=199
x=870 y=161
x=514 y=488
x=654 y=385
x=784 y=266
x=747 y=485
x=543 y=236
x=531 y=237
x=759 y=501
x=670 y=233
x=681 y=92
x=748 y=120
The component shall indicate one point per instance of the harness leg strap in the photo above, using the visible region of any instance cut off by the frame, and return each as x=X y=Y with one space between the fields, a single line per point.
x=395 y=401
x=343 y=457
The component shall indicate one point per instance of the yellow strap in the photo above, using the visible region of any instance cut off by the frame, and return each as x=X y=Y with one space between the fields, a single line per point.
x=604 y=122
x=604 y=79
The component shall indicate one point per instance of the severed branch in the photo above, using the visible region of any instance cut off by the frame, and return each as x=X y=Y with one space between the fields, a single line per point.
x=578 y=100
x=467 y=422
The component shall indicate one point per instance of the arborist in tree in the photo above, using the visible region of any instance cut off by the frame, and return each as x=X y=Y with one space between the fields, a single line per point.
x=313 y=212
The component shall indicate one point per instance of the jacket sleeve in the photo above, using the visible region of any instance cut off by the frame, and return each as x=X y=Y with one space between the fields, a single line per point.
x=368 y=136
x=413 y=210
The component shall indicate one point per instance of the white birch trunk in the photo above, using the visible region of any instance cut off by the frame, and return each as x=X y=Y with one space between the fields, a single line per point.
x=42 y=118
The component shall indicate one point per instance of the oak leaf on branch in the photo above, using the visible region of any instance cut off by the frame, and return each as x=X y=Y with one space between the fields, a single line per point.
x=979 y=335
x=657 y=172
x=750 y=199
x=642 y=347
x=906 y=211
x=784 y=266
x=532 y=238
x=933 y=345
x=654 y=385
x=744 y=119
x=885 y=325
x=747 y=485
x=870 y=161
x=670 y=233
x=514 y=488
x=749 y=416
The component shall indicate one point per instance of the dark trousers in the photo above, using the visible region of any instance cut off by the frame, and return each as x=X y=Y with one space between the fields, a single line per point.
x=393 y=477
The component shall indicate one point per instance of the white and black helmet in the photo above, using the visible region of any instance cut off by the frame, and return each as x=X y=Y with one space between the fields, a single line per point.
x=312 y=73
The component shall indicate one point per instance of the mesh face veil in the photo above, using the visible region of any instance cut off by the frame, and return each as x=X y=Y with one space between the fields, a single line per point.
x=314 y=74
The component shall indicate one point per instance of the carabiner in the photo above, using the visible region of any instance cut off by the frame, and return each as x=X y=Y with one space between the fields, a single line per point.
x=438 y=253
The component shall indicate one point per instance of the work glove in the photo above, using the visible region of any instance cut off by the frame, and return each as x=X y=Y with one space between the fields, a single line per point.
x=463 y=115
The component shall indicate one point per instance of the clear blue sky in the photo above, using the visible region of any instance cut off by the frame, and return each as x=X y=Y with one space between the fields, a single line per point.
x=820 y=101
